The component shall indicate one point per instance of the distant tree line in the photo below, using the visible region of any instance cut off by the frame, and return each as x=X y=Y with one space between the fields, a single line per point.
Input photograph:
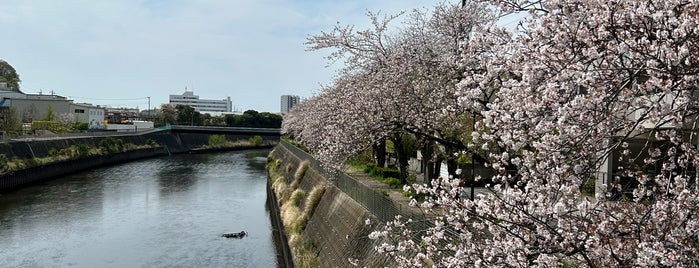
x=186 y=115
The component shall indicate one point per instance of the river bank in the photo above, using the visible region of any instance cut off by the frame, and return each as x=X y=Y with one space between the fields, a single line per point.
x=328 y=227
x=26 y=162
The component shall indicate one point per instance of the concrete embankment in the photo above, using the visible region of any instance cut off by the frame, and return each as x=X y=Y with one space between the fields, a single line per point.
x=23 y=177
x=165 y=143
x=323 y=231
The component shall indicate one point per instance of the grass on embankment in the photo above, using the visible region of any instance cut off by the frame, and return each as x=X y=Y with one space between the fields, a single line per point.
x=295 y=218
x=106 y=146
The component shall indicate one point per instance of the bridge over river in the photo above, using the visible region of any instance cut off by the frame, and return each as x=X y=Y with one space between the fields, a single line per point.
x=265 y=132
x=222 y=130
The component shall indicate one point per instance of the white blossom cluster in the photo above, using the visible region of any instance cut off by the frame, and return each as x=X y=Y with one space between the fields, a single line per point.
x=394 y=83
x=580 y=87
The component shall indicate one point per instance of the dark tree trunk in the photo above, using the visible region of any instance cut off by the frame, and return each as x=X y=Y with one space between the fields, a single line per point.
x=437 y=166
x=452 y=164
x=402 y=158
x=427 y=163
x=379 y=149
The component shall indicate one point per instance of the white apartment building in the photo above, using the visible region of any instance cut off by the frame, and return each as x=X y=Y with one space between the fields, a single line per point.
x=202 y=105
x=288 y=102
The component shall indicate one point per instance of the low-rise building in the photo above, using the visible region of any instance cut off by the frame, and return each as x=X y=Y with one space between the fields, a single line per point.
x=31 y=107
x=90 y=114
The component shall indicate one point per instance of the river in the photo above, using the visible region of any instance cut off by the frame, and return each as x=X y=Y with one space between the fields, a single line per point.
x=160 y=212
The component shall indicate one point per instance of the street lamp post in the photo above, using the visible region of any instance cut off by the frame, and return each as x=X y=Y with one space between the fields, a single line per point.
x=473 y=160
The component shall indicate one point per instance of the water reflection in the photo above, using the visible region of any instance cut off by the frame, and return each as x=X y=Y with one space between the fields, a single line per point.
x=257 y=160
x=162 y=212
x=176 y=176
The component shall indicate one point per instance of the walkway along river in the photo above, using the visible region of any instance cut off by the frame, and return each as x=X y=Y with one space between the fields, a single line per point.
x=160 y=212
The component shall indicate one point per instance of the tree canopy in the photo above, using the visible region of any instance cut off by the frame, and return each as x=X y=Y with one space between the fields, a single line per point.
x=9 y=75
x=186 y=115
x=392 y=85
x=252 y=118
x=581 y=93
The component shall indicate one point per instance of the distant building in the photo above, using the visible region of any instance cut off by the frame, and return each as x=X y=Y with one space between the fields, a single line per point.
x=122 y=115
x=30 y=107
x=132 y=126
x=202 y=105
x=288 y=102
x=128 y=119
x=90 y=114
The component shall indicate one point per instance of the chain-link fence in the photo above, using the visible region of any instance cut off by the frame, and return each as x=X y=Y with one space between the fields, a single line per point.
x=381 y=206
x=377 y=203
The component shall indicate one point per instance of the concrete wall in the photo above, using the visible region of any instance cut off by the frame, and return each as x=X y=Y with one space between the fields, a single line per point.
x=337 y=226
x=171 y=143
x=28 y=176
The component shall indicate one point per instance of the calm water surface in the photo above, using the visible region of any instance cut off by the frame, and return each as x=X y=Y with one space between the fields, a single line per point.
x=162 y=212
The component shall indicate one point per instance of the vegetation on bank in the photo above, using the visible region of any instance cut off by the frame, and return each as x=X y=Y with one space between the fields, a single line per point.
x=295 y=143
x=221 y=142
x=106 y=146
x=297 y=207
x=11 y=123
x=386 y=175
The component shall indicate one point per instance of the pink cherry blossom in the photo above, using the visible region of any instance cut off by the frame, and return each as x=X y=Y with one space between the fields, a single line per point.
x=581 y=90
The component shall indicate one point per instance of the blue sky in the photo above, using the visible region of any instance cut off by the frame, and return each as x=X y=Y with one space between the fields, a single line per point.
x=117 y=53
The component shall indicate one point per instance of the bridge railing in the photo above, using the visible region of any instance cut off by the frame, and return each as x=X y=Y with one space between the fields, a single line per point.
x=225 y=129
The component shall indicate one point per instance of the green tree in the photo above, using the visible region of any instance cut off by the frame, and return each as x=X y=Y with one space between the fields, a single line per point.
x=9 y=75
x=186 y=115
x=257 y=140
x=9 y=121
x=232 y=120
x=252 y=118
x=49 y=116
x=270 y=120
x=217 y=141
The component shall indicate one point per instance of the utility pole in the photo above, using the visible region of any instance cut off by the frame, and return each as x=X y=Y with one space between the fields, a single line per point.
x=473 y=154
x=149 y=117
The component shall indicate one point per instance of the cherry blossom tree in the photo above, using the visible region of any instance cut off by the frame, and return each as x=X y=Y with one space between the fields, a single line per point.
x=167 y=114
x=580 y=88
x=392 y=85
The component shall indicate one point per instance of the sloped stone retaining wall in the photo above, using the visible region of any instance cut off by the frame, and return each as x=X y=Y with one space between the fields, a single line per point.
x=337 y=226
